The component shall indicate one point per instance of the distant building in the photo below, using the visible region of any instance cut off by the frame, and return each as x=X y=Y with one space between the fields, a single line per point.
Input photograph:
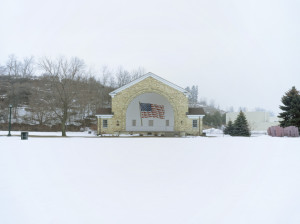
x=258 y=121
x=150 y=104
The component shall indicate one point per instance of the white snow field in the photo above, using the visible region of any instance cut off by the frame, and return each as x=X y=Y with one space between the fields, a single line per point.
x=214 y=180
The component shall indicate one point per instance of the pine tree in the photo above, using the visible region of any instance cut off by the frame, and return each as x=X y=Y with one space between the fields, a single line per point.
x=229 y=128
x=291 y=109
x=240 y=126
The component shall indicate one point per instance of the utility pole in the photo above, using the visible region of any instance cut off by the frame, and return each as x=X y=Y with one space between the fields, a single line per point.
x=9 y=122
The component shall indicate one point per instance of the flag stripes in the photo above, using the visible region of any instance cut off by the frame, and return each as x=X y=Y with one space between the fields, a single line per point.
x=152 y=110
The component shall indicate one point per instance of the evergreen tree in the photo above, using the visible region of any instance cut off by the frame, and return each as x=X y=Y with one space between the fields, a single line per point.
x=229 y=128
x=291 y=109
x=240 y=126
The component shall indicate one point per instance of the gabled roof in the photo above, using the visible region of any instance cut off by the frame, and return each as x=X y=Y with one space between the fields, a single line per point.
x=103 y=111
x=149 y=74
x=196 y=111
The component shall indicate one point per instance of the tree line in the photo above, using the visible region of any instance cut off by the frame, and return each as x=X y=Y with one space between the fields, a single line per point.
x=66 y=91
x=290 y=115
x=61 y=90
x=214 y=116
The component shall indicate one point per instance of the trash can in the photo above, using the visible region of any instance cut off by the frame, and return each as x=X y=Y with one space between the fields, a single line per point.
x=24 y=135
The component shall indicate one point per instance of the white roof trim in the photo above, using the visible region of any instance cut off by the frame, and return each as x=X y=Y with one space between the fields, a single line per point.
x=194 y=116
x=149 y=74
x=105 y=116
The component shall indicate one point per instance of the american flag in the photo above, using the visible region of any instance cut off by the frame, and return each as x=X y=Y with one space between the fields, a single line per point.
x=152 y=110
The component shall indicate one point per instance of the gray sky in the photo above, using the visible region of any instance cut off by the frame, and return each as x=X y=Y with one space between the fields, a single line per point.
x=239 y=53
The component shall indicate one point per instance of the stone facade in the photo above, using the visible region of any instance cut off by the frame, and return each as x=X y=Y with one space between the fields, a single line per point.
x=177 y=99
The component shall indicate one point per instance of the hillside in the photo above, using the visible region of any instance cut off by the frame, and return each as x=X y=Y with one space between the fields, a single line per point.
x=31 y=99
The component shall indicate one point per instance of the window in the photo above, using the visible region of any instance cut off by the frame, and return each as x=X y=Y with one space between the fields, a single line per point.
x=150 y=123
x=167 y=123
x=195 y=123
x=133 y=122
x=105 y=123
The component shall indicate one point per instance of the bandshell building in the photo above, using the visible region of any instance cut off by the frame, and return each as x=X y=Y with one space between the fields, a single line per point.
x=150 y=105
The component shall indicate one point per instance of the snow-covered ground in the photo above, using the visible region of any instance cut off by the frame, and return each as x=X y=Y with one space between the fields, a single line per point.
x=149 y=180
x=50 y=134
x=213 y=132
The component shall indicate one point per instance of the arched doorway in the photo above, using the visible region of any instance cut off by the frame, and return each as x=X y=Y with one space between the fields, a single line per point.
x=149 y=112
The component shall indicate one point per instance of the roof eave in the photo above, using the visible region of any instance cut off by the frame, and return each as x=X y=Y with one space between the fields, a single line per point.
x=194 y=116
x=104 y=115
x=149 y=74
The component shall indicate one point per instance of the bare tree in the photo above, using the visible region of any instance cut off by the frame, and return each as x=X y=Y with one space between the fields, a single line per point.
x=17 y=68
x=123 y=77
x=137 y=73
x=107 y=82
x=13 y=66
x=193 y=97
x=112 y=82
x=40 y=110
x=63 y=77
x=105 y=76
x=27 y=67
x=2 y=70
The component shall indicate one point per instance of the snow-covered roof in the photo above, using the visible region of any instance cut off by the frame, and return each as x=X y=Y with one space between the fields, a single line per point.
x=149 y=74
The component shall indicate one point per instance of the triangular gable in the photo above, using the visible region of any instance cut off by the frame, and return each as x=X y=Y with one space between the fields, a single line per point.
x=149 y=74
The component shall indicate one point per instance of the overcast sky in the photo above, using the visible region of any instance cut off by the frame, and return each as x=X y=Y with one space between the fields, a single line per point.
x=239 y=53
